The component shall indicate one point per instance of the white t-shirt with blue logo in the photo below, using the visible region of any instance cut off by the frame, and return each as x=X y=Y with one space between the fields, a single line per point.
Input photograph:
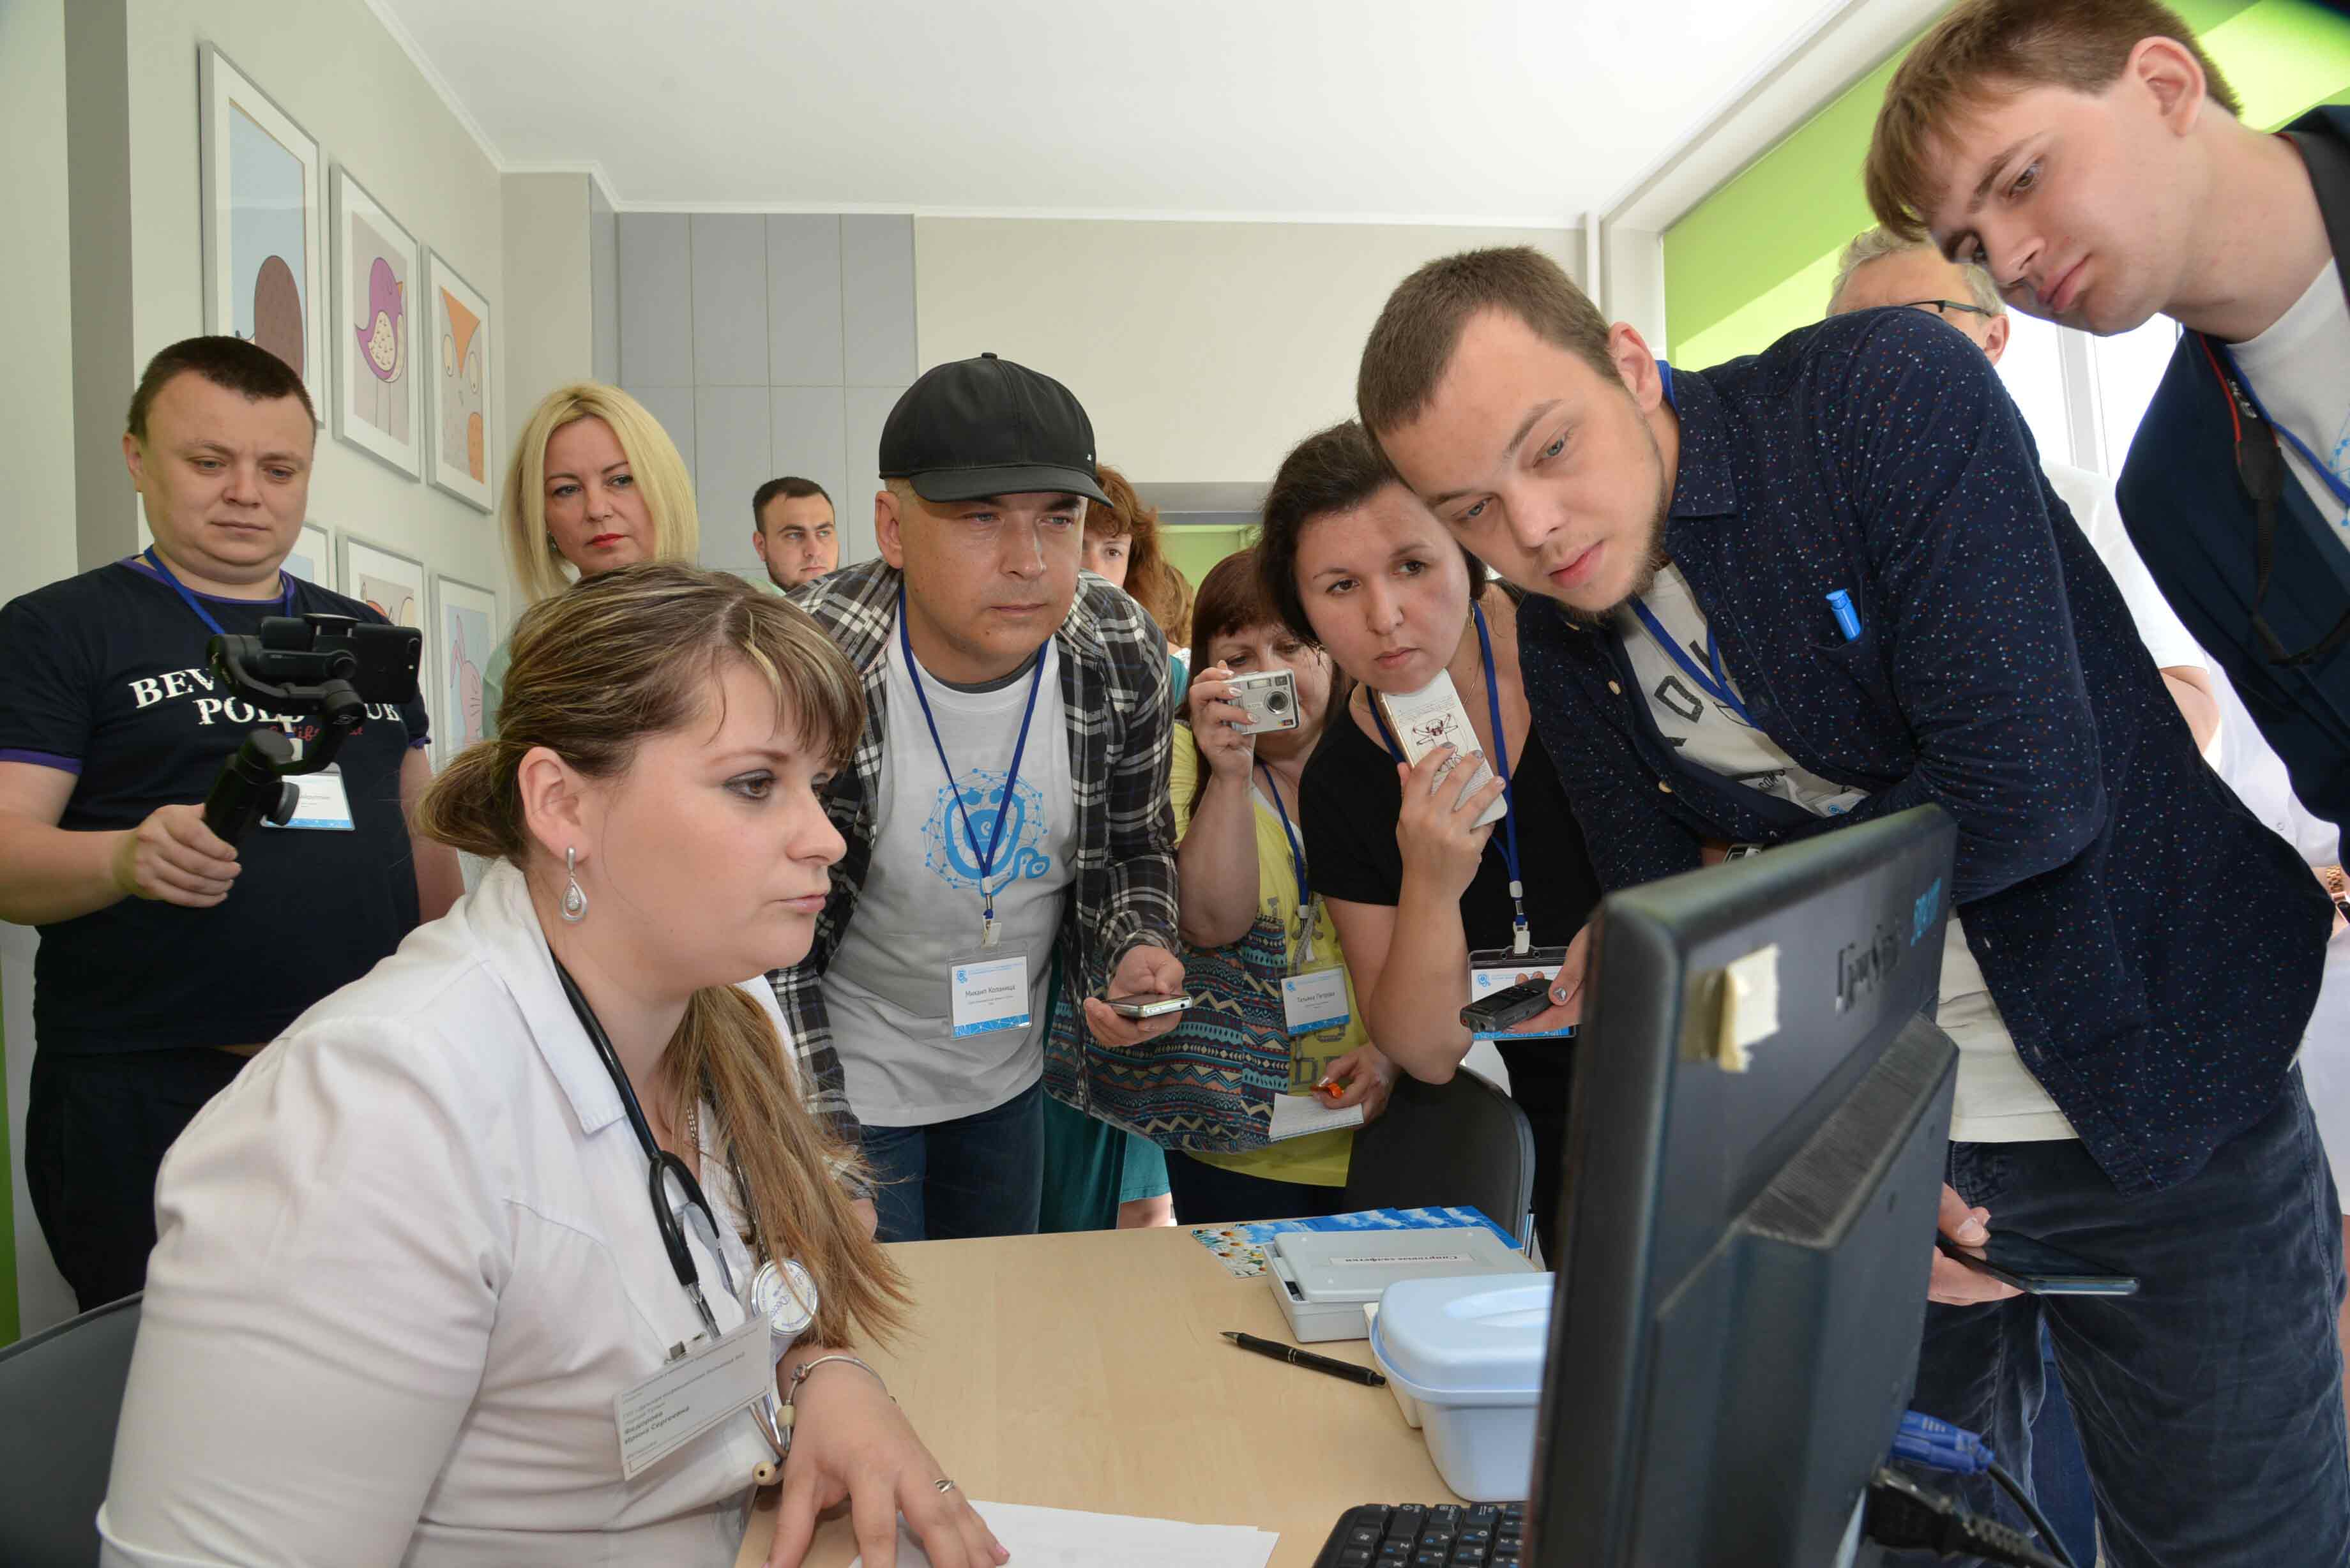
x=1998 y=1099
x=886 y=990
x=2297 y=371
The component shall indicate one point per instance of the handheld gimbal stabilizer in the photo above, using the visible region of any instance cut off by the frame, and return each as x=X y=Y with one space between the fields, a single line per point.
x=332 y=666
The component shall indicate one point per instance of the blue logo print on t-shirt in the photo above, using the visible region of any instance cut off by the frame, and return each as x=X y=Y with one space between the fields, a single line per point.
x=949 y=851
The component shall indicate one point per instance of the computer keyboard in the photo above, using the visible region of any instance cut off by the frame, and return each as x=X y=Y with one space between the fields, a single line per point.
x=1424 y=1535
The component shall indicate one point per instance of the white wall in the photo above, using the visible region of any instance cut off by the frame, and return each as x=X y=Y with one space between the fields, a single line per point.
x=549 y=296
x=332 y=67
x=36 y=528
x=1201 y=351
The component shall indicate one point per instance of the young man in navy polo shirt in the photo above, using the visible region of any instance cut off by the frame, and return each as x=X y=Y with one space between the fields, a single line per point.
x=1829 y=582
x=168 y=957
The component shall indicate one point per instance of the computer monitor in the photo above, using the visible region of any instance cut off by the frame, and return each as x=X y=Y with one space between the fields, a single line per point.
x=1744 y=1248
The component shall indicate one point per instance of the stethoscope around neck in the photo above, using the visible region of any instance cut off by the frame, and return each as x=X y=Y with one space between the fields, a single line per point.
x=785 y=1294
x=662 y=1168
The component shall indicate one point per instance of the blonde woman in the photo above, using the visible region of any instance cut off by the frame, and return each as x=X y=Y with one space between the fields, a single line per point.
x=412 y=1258
x=594 y=484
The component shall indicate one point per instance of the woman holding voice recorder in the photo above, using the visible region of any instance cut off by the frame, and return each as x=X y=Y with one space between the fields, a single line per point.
x=1438 y=831
x=1257 y=710
x=523 y=1248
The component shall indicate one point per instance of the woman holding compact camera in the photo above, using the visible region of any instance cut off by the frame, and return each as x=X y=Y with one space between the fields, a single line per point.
x=1240 y=858
x=1430 y=906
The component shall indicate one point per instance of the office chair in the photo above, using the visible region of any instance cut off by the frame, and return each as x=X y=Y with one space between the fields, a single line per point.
x=1463 y=1142
x=62 y=1391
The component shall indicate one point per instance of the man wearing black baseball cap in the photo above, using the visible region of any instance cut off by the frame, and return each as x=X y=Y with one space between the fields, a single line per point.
x=1007 y=807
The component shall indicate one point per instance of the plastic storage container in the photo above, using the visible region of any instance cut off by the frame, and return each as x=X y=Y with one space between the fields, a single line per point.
x=1468 y=1352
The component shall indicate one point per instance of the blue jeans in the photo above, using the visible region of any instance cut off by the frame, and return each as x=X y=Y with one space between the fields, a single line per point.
x=2060 y=1476
x=2209 y=1404
x=975 y=1176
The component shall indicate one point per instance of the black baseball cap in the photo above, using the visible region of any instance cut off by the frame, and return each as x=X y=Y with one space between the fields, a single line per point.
x=988 y=427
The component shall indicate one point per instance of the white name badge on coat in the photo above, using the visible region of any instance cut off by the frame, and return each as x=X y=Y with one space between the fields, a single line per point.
x=1315 y=1000
x=1493 y=972
x=686 y=1398
x=988 y=994
x=325 y=803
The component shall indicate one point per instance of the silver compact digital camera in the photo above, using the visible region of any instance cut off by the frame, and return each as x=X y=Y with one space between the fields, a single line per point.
x=1271 y=698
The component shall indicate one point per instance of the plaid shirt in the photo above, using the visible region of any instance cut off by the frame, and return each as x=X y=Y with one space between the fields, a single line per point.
x=1119 y=706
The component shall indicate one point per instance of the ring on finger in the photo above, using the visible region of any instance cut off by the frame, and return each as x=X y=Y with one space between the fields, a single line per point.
x=944 y=1485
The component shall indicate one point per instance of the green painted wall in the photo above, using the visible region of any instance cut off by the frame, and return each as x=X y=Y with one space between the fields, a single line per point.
x=1753 y=261
x=1195 y=550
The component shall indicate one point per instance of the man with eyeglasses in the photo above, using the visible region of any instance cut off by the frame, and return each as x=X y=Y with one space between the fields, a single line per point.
x=1881 y=268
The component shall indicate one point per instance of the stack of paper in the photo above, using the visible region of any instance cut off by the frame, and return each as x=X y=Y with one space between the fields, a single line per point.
x=1061 y=1537
x=1295 y=1115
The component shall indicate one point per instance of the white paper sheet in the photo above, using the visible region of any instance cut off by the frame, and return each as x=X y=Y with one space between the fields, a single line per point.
x=1295 y=1115
x=1061 y=1538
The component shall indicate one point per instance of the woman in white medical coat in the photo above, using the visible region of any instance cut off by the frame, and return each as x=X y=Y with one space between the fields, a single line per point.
x=411 y=1284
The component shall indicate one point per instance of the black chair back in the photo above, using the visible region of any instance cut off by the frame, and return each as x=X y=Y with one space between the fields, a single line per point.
x=60 y=1394
x=1463 y=1142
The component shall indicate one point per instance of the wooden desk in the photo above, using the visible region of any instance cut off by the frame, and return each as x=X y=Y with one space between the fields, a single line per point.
x=1085 y=1371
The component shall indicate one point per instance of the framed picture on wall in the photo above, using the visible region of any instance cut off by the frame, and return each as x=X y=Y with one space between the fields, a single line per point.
x=392 y=584
x=264 y=230
x=462 y=453
x=313 y=558
x=466 y=627
x=375 y=273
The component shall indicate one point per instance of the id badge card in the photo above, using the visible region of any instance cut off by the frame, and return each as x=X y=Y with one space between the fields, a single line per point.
x=325 y=805
x=1315 y=1000
x=988 y=990
x=1499 y=968
x=707 y=1386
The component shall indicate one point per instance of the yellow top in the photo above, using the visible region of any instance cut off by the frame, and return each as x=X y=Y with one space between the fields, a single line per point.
x=1318 y=1160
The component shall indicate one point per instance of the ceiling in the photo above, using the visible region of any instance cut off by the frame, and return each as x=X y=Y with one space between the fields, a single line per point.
x=1468 y=111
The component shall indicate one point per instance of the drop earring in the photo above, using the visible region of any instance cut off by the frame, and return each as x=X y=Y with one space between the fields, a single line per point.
x=575 y=897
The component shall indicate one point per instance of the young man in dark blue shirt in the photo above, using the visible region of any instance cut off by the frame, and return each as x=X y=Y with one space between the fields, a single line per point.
x=1829 y=582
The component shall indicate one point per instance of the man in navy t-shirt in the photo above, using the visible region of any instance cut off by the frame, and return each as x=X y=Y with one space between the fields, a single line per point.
x=168 y=957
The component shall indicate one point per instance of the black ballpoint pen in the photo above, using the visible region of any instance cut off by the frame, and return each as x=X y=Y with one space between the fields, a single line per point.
x=1306 y=1358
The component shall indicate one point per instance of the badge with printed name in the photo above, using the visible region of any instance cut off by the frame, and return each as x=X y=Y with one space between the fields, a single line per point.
x=1315 y=1000
x=687 y=1397
x=1498 y=969
x=988 y=994
x=325 y=803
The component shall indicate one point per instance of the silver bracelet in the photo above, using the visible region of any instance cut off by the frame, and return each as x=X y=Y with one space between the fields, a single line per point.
x=789 y=1413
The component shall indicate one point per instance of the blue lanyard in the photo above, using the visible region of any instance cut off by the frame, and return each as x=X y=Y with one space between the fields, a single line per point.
x=1296 y=850
x=1508 y=838
x=204 y=614
x=1716 y=687
x=2333 y=481
x=986 y=857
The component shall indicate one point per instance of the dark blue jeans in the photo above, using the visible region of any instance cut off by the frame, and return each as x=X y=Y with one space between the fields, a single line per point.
x=2209 y=1404
x=980 y=1175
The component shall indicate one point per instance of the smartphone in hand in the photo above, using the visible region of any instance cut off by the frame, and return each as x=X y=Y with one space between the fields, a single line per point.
x=1504 y=1008
x=1148 y=1003
x=2038 y=1269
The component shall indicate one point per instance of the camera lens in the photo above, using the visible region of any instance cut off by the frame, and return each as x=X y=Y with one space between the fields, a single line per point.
x=1276 y=701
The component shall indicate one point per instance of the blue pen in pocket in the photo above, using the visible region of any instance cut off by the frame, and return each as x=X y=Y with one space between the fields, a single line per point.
x=1847 y=618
